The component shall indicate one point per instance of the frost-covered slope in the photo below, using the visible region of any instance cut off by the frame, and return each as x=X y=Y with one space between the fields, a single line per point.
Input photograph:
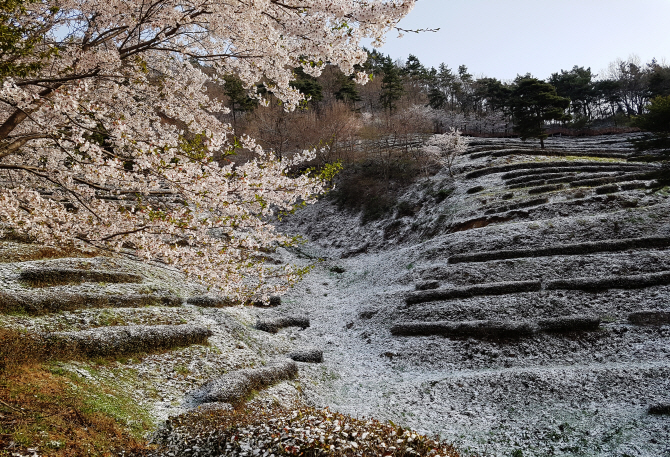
x=524 y=237
x=548 y=332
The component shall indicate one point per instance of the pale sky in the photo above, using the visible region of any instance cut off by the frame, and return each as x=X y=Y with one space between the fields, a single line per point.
x=503 y=38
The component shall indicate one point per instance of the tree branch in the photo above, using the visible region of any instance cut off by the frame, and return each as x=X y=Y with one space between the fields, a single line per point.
x=129 y=232
x=19 y=115
x=11 y=148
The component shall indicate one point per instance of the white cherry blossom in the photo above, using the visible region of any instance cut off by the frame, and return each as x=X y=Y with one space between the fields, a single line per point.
x=116 y=142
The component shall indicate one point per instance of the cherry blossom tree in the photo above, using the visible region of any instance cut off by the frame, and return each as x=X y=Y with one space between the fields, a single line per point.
x=110 y=138
x=446 y=147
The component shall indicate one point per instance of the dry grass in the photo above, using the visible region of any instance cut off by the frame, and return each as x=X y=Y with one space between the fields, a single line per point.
x=57 y=413
x=372 y=187
x=49 y=276
x=18 y=348
x=21 y=250
x=114 y=341
x=51 y=302
x=44 y=409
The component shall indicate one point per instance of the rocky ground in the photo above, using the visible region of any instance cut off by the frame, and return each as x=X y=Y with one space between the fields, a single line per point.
x=544 y=325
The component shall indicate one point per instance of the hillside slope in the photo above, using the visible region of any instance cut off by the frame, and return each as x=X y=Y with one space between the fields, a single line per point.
x=549 y=330
x=522 y=304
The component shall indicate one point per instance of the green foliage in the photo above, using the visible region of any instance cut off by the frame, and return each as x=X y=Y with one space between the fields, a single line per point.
x=436 y=98
x=443 y=193
x=307 y=85
x=326 y=172
x=195 y=147
x=494 y=92
x=533 y=103
x=441 y=83
x=375 y=62
x=18 y=42
x=347 y=91
x=392 y=87
x=577 y=85
x=113 y=401
x=237 y=94
x=657 y=119
x=659 y=80
x=608 y=90
x=414 y=69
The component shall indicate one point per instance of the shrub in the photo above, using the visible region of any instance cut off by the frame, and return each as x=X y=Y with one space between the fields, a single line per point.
x=371 y=187
x=443 y=193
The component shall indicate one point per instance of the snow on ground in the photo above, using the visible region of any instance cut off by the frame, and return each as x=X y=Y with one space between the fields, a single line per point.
x=568 y=394
x=576 y=393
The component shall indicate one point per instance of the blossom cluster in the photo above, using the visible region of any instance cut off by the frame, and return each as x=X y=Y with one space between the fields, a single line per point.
x=304 y=431
x=444 y=148
x=116 y=142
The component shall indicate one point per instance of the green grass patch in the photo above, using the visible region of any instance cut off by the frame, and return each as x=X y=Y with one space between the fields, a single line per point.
x=47 y=406
x=593 y=159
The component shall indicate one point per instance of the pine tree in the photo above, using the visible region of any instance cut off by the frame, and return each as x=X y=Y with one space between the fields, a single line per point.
x=533 y=103
x=392 y=87
x=307 y=85
x=347 y=91
x=238 y=97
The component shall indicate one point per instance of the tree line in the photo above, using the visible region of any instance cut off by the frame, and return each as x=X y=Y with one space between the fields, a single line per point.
x=437 y=99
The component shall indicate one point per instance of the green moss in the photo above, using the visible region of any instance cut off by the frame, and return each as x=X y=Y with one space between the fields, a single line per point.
x=593 y=159
x=664 y=191
x=442 y=194
x=110 y=397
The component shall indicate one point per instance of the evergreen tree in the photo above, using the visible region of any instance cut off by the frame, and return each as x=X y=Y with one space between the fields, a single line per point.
x=464 y=90
x=347 y=92
x=659 y=80
x=307 y=85
x=436 y=98
x=441 y=88
x=414 y=68
x=533 y=103
x=633 y=82
x=656 y=121
x=577 y=85
x=392 y=87
x=375 y=62
x=494 y=93
x=416 y=80
x=238 y=97
x=607 y=94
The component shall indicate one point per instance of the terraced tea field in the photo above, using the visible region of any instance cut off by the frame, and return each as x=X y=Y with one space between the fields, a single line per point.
x=522 y=305
x=536 y=319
